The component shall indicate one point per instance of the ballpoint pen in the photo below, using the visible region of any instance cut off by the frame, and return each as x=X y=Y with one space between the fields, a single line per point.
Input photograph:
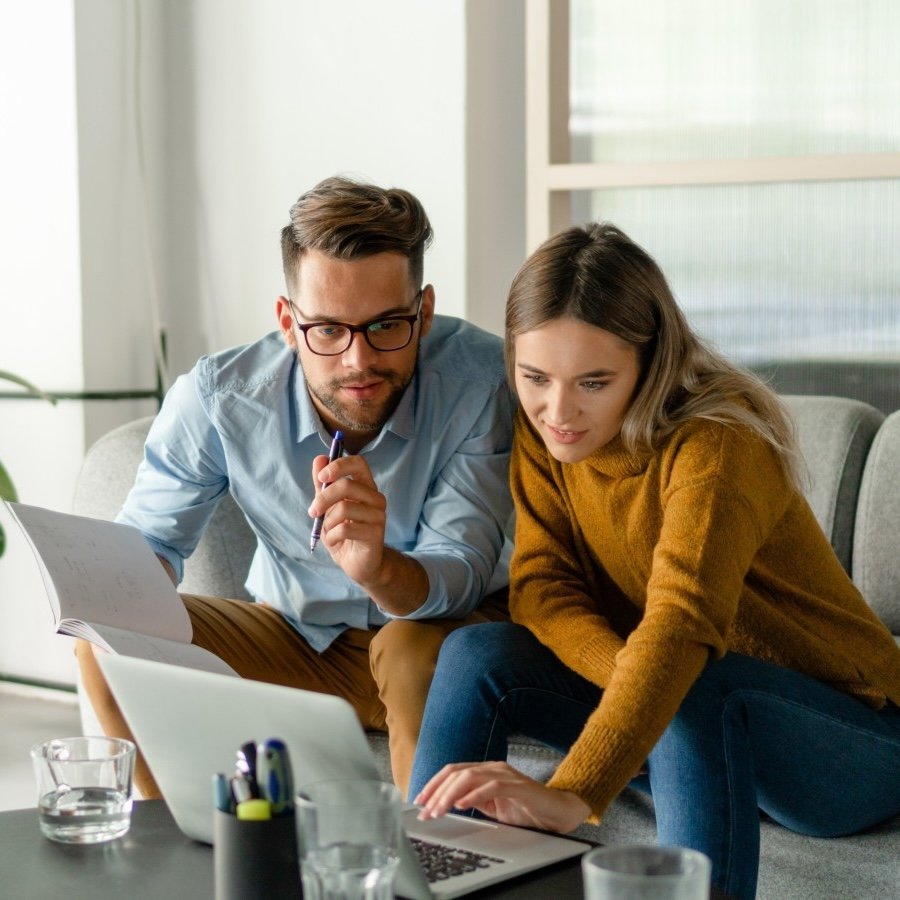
x=336 y=452
x=240 y=788
x=246 y=765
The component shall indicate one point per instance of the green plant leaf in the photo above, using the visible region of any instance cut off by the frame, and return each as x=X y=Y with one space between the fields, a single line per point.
x=7 y=489
x=32 y=389
x=7 y=492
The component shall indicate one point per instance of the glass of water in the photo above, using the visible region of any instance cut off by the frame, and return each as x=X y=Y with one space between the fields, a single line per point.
x=84 y=788
x=349 y=834
x=645 y=872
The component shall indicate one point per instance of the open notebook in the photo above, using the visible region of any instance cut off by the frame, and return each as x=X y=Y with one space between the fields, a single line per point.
x=188 y=724
x=106 y=585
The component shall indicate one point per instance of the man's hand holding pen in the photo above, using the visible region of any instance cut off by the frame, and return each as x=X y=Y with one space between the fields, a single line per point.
x=354 y=512
x=354 y=515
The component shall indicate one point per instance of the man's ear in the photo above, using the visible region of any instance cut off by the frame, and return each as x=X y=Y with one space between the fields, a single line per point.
x=426 y=310
x=286 y=321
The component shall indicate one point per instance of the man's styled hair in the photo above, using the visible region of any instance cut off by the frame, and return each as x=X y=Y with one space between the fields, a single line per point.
x=346 y=219
x=598 y=275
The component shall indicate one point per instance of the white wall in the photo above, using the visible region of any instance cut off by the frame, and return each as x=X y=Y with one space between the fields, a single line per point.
x=244 y=104
x=123 y=167
x=40 y=312
x=283 y=94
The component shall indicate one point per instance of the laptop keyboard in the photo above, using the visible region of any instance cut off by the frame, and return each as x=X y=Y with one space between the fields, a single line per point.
x=440 y=862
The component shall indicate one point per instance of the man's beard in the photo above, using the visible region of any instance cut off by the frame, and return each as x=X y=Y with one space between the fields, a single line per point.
x=362 y=415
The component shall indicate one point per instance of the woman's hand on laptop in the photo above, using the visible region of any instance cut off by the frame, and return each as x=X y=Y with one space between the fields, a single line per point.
x=503 y=793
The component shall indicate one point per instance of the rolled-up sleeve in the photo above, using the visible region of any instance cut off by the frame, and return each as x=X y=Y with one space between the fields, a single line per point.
x=461 y=535
x=181 y=477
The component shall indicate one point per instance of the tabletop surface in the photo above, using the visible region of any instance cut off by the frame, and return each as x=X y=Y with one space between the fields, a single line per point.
x=155 y=860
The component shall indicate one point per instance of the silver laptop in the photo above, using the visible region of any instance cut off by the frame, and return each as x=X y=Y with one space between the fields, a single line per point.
x=188 y=725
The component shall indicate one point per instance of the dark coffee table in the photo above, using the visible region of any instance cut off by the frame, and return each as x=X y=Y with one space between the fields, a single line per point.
x=155 y=861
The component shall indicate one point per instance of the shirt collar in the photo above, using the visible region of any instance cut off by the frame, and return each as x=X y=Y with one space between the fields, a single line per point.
x=402 y=423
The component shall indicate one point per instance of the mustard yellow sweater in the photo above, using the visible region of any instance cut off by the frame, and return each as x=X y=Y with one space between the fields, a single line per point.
x=636 y=570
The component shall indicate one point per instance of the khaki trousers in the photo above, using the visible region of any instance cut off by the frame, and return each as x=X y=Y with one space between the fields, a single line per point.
x=384 y=673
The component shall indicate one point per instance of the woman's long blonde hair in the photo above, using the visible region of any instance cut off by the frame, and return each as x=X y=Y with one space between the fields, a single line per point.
x=598 y=275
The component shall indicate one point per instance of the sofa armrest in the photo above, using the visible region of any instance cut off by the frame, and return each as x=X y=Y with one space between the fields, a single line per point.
x=876 y=544
x=834 y=434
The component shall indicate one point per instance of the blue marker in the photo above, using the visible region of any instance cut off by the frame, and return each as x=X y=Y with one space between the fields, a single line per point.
x=336 y=452
x=222 y=799
x=273 y=769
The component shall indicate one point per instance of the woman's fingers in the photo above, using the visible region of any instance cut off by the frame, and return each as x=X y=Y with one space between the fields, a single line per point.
x=500 y=791
x=476 y=785
x=449 y=772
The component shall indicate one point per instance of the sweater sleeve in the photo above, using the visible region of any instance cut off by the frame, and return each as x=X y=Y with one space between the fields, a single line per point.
x=724 y=493
x=550 y=592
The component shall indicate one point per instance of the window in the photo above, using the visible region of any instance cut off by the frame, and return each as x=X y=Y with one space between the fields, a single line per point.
x=753 y=148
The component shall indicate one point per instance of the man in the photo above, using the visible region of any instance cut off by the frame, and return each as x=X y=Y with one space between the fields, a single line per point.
x=413 y=515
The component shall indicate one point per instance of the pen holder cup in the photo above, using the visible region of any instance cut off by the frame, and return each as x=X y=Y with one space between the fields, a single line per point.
x=255 y=860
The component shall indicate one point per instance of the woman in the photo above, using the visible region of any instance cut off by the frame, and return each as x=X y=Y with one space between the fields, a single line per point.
x=683 y=612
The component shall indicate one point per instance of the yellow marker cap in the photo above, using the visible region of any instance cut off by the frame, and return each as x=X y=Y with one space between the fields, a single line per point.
x=255 y=810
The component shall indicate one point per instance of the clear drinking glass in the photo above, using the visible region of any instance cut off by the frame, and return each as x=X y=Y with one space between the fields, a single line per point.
x=645 y=872
x=349 y=834
x=84 y=788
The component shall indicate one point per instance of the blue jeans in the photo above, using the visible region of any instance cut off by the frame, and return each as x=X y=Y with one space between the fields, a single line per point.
x=749 y=736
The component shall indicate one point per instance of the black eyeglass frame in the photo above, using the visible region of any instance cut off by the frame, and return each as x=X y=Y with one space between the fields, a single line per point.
x=362 y=329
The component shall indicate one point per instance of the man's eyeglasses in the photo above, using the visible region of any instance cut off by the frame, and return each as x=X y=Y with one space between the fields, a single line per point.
x=334 y=338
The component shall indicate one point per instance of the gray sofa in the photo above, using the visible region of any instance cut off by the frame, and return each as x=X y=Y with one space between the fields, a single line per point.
x=853 y=453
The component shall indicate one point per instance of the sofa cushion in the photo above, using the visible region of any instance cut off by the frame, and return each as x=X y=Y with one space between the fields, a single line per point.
x=221 y=561
x=108 y=470
x=876 y=548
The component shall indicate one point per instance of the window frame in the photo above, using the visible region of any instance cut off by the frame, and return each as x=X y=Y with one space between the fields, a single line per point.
x=551 y=178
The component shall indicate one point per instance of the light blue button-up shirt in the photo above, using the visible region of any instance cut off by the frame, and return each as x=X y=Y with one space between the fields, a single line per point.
x=242 y=421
